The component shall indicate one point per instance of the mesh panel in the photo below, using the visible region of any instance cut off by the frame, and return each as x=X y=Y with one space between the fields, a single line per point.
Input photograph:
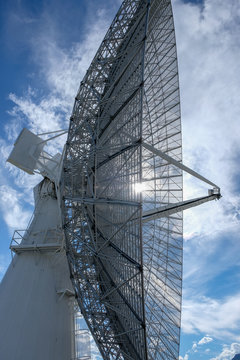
x=127 y=272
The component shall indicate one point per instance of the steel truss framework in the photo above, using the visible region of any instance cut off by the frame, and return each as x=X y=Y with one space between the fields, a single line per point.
x=122 y=187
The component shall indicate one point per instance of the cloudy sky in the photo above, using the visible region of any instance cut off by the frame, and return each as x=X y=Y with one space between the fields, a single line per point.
x=46 y=47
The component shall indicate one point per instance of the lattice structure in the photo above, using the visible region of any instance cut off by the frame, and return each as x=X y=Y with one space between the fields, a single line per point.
x=127 y=264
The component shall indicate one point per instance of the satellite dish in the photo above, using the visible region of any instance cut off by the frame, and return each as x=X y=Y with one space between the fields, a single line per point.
x=117 y=191
x=122 y=188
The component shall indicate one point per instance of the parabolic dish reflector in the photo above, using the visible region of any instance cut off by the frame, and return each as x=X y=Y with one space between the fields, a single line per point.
x=125 y=261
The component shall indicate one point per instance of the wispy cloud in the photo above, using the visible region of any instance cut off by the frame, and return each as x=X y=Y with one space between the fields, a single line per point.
x=205 y=340
x=228 y=352
x=221 y=319
x=13 y=208
x=197 y=347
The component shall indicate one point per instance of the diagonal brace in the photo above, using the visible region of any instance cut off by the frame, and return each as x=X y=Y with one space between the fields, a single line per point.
x=178 y=164
x=170 y=209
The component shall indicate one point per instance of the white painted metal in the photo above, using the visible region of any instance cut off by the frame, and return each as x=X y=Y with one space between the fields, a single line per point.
x=29 y=156
x=36 y=296
x=26 y=151
x=49 y=165
x=36 y=308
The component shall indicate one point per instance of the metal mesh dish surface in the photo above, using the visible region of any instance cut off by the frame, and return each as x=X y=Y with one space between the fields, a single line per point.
x=126 y=266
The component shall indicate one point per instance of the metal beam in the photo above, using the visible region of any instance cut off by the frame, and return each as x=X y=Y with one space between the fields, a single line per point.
x=177 y=164
x=96 y=201
x=164 y=211
x=119 y=152
x=37 y=247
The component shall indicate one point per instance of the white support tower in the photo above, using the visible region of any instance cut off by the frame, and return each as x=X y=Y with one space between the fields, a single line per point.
x=37 y=298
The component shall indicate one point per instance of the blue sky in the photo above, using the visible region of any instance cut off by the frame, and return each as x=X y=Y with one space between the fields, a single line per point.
x=46 y=47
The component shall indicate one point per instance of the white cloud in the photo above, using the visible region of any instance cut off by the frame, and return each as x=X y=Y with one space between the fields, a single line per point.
x=228 y=352
x=221 y=318
x=12 y=207
x=41 y=117
x=64 y=68
x=205 y=340
x=186 y=357
x=194 y=347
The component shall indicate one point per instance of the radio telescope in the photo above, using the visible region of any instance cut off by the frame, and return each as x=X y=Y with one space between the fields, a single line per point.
x=118 y=198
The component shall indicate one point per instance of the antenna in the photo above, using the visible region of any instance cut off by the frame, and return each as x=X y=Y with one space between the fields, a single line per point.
x=115 y=198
